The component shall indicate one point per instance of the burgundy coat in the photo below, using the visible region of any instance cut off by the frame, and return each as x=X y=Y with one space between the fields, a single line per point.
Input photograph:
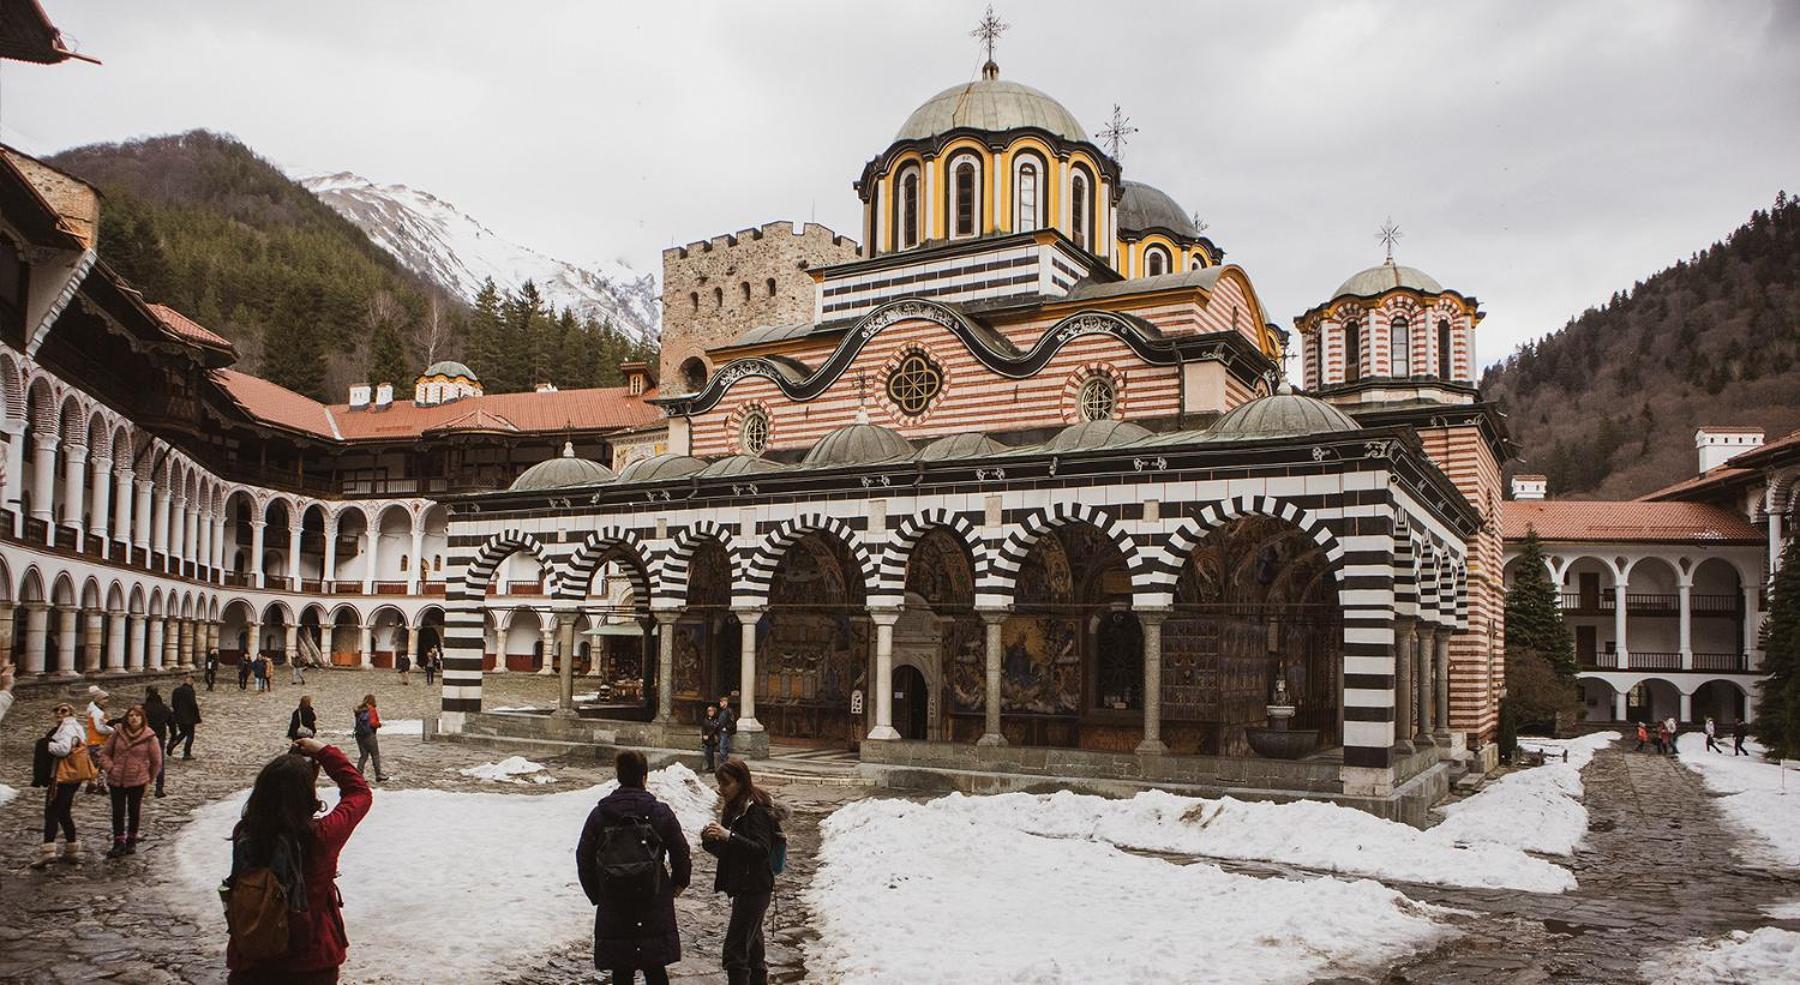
x=131 y=762
x=316 y=938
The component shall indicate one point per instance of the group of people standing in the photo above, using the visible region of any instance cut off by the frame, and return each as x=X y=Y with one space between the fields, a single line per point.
x=1662 y=736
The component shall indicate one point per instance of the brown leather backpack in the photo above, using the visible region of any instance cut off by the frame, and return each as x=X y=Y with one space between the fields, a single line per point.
x=256 y=911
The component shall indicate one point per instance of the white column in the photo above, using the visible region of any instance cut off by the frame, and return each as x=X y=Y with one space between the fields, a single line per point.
x=190 y=534
x=218 y=545
x=1687 y=708
x=134 y=646
x=159 y=531
x=1753 y=625
x=665 y=663
x=413 y=570
x=256 y=552
x=294 y=532
x=292 y=642
x=115 y=641
x=142 y=519
x=547 y=636
x=1619 y=708
x=1685 y=590
x=992 y=620
x=37 y=632
x=122 y=502
x=153 y=647
x=173 y=552
x=883 y=683
x=329 y=572
x=171 y=642
x=12 y=488
x=1152 y=621
x=100 y=502
x=368 y=647
x=1619 y=590
x=747 y=619
x=1404 y=643
x=373 y=535
x=500 y=644
x=203 y=543
x=43 y=478
x=74 y=486
x=65 y=640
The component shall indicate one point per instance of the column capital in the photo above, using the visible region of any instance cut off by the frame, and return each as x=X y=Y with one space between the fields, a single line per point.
x=752 y=612
x=1151 y=613
x=885 y=615
x=258 y=524
x=667 y=617
x=994 y=617
x=46 y=440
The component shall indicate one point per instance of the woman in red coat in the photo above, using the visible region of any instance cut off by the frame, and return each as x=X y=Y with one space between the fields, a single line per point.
x=279 y=822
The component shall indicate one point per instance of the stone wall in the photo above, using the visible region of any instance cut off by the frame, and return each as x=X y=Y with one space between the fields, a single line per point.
x=717 y=289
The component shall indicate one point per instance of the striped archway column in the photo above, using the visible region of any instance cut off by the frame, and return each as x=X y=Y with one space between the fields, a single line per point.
x=464 y=594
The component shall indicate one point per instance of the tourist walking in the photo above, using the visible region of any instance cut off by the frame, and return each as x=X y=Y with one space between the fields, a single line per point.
x=368 y=744
x=131 y=758
x=212 y=667
x=727 y=726
x=742 y=840
x=303 y=723
x=279 y=838
x=297 y=675
x=160 y=719
x=244 y=661
x=403 y=664
x=1712 y=744
x=62 y=764
x=260 y=671
x=1643 y=736
x=709 y=736
x=6 y=686
x=186 y=706
x=633 y=861
x=1665 y=739
x=1739 y=733
x=429 y=664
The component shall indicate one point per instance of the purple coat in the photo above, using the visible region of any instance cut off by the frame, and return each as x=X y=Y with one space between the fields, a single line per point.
x=640 y=936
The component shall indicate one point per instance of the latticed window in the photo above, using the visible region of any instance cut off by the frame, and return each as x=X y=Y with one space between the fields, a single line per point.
x=915 y=383
x=753 y=434
x=1097 y=399
x=1400 y=336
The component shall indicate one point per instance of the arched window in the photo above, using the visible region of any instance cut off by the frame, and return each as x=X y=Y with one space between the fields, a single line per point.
x=693 y=373
x=1029 y=192
x=964 y=197
x=1444 y=349
x=1400 y=347
x=753 y=434
x=745 y=287
x=694 y=299
x=718 y=297
x=1078 y=210
x=1097 y=399
x=909 y=210
x=1195 y=263
x=1156 y=261
x=403 y=564
x=437 y=563
x=1352 y=352
x=770 y=286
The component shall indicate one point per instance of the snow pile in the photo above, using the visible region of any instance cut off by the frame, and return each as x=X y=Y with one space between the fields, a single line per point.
x=1537 y=809
x=930 y=893
x=399 y=726
x=508 y=770
x=6 y=794
x=1309 y=833
x=1783 y=911
x=487 y=878
x=1752 y=797
x=1739 y=958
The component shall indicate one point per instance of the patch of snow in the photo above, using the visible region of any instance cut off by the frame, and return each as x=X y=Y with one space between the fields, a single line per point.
x=511 y=896
x=1309 y=833
x=518 y=708
x=1752 y=797
x=508 y=770
x=1742 y=957
x=1783 y=911
x=6 y=794
x=1537 y=809
x=911 y=892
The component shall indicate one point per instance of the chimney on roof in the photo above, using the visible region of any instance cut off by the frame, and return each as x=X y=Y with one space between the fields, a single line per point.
x=1529 y=486
x=546 y=387
x=359 y=396
x=1719 y=445
x=384 y=396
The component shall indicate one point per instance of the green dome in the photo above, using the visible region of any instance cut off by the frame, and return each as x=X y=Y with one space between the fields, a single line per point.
x=1285 y=414
x=1376 y=281
x=738 y=465
x=859 y=444
x=969 y=444
x=450 y=368
x=1142 y=207
x=561 y=473
x=657 y=467
x=1096 y=434
x=994 y=105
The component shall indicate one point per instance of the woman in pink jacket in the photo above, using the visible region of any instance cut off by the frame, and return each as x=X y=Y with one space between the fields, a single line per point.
x=131 y=757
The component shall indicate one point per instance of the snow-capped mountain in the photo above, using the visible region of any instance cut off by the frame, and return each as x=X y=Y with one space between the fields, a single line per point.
x=437 y=240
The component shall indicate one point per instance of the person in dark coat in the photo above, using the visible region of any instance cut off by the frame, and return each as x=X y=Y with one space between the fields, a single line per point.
x=727 y=726
x=187 y=715
x=161 y=719
x=304 y=723
x=1739 y=733
x=709 y=737
x=741 y=840
x=212 y=668
x=632 y=935
x=243 y=666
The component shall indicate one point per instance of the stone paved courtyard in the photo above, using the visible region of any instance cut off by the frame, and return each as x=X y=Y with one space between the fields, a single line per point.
x=1658 y=869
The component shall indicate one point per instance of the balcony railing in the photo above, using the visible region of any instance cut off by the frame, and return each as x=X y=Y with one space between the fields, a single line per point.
x=1731 y=663
x=1727 y=663
x=1653 y=604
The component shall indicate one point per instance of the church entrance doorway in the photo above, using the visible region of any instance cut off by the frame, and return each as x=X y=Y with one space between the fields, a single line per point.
x=912 y=703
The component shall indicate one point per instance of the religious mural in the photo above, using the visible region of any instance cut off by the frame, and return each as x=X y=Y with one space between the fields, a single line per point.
x=814 y=644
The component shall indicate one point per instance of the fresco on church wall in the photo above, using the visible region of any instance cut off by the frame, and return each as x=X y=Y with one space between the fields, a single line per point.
x=814 y=645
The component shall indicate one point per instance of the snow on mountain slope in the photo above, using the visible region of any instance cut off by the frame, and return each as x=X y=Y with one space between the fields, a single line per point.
x=437 y=240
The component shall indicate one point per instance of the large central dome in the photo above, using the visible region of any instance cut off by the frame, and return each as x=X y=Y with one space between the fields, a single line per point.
x=991 y=104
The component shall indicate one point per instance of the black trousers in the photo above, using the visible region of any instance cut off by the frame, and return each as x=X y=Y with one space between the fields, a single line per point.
x=59 y=811
x=652 y=976
x=212 y=674
x=744 y=961
x=183 y=735
x=127 y=802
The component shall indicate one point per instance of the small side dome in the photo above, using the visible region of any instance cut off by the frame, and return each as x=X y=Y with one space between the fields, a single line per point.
x=1096 y=434
x=656 y=467
x=450 y=368
x=738 y=465
x=969 y=444
x=1142 y=207
x=1285 y=414
x=1379 y=280
x=562 y=473
x=859 y=444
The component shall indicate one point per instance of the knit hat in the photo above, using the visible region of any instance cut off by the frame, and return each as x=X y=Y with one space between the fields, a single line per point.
x=94 y=692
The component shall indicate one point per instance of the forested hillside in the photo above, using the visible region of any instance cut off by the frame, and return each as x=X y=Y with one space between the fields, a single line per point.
x=1607 y=406
x=198 y=221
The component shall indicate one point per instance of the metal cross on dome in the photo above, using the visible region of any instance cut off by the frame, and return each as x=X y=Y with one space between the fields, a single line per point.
x=1117 y=129
x=989 y=31
x=1389 y=235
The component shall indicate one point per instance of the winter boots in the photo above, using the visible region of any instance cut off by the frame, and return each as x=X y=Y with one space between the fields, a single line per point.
x=72 y=852
x=118 y=849
x=46 y=855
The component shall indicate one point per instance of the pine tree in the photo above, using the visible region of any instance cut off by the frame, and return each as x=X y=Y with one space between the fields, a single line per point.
x=1534 y=619
x=293 y=351
x=387 y=358
x=1778 y=709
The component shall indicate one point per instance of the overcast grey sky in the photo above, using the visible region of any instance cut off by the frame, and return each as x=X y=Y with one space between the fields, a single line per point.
x=1538 y=155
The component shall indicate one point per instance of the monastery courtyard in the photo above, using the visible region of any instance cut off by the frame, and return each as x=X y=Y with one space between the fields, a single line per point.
x=1660 y=865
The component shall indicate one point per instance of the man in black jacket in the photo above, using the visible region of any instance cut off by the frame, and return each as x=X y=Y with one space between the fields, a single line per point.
x=632 y=932
x=187 y=715
x=727 y=726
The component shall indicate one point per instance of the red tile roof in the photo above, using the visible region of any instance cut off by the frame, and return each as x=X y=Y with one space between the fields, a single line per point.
x=186 y=328
x=592 y=409
x=1718 y=475
x=1629 y=521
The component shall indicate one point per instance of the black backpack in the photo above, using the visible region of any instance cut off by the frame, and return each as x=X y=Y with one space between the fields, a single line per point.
x=43 y=765
x=630 y=860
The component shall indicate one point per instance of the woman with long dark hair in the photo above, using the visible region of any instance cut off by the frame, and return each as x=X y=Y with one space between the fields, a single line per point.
x=741 y=839
x=280 y=831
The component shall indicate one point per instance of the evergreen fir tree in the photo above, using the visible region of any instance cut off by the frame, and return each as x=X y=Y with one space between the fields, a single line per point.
x=293 y=352
x=1534 y=619
x=387 y=358
x=1778 y=710
x=481 y=351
